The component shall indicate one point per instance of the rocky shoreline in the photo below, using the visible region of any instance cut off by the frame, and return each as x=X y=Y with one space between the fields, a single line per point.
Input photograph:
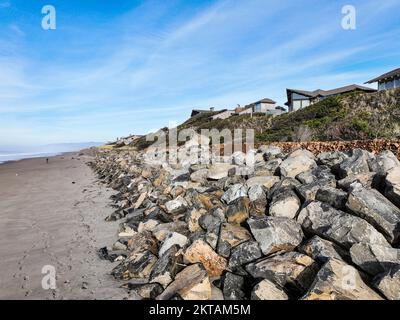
x=296 y=226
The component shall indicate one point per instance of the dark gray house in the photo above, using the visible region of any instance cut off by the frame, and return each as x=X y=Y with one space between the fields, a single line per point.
x=387 y=81
x=298 y=99
x=195 y=112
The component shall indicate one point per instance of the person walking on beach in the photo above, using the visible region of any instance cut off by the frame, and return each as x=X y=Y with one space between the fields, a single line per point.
x=47 y=160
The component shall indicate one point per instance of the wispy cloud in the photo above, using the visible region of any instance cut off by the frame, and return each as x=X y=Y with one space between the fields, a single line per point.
x=16 y=30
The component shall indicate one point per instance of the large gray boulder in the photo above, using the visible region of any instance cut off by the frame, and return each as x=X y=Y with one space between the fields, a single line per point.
x=192 y=283
x=136 y=266
x=372 y=206
x=266 y=181
x=270 y=152
x=272 y=166
x=322 y=250
x=373 y=258
x=234 y=192
x=233 y=287
x=177 y=205
x=297 y=163
x=332 y=159
x=309 y=191
x=238 y=210
x=292 y=270
x=230 y=236
x=334 y=197
x=276 y=234
x=256 y=193
x=356 y=164
x=367 y=180
x=285 y=204
x=199 y=175
x=313 y=180
x=218 y=171
x=244 y=253
x=339 y=281
x=212 y=219
x=267 y=290
x=392 y=182
x=284 y=184
x=172 y=239
x=165 y=269
x=258 y=199
x=211 y=236
x=260 y=168
x=383 y=162
x=388 y=283
x=163 y=230
x=321 y=174
x=301 y=152
x=340 y=227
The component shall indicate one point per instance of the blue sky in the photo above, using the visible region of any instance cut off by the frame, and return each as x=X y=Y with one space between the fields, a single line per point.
x=112 y=68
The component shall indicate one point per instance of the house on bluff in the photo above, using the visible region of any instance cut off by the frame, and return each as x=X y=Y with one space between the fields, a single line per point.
x=298 y=99
x=387 y=81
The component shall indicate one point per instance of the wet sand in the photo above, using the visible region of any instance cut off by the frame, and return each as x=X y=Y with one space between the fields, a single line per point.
x=53 y=214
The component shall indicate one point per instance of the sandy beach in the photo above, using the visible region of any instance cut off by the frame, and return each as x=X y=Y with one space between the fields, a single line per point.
x=53 y=214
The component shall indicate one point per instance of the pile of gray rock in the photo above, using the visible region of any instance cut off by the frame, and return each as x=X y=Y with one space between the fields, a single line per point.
x=294 y=226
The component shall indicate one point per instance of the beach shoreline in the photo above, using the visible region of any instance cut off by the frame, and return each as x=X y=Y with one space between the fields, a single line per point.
x=49 y=155
x=53 y=215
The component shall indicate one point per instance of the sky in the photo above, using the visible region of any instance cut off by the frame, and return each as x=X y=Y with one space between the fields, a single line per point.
x=113 y=68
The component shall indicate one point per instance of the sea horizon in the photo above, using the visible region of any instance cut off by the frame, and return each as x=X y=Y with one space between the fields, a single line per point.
x=23 y=156
x=28 y=152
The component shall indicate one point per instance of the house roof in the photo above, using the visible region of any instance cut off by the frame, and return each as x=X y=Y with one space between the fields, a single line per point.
x=310 y=94
x=196 y=112
x=265 y=100
x=347 y=89
x=324 y=93
x=223 y=111
x=390 y=74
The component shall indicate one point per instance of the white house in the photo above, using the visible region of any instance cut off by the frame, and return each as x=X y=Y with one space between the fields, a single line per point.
x=264 y=105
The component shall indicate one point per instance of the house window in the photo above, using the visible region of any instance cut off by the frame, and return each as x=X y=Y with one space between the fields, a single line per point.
x=382 y=85
x=390 y=84
x=397 y=83
x=296 y=105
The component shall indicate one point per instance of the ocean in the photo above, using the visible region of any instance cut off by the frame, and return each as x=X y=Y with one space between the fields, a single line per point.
x=15 y=153
x=4 y=157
